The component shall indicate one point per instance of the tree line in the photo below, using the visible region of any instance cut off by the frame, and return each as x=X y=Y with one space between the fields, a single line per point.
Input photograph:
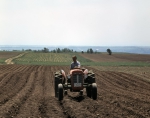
x=57 y=50
x=66 y=50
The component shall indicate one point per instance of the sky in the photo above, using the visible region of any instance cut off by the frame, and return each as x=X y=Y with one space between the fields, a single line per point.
x=75 y=22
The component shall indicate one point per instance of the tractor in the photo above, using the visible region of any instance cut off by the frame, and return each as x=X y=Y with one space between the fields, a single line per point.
x=77 y=80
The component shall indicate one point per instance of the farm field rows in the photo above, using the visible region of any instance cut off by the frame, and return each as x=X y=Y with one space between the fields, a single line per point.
x=28 y=91
x=117 y=57
x=48 y=58
x=102 y=59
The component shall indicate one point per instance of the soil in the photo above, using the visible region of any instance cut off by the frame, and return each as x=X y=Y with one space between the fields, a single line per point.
x=123 y=57
x=28 y=91
x=6 y=55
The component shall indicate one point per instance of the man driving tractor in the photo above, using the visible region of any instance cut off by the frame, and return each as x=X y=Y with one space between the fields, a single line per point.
x=75 y=63
x=76 y=80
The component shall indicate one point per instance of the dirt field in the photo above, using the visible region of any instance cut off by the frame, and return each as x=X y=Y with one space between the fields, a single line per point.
x=6 y=55
x=117 y=57
x=27 y=91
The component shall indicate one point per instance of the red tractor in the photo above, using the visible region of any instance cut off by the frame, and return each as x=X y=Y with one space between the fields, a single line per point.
x=77 y=80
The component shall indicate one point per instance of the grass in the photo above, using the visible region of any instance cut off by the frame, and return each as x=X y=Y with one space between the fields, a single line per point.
x=2 y=61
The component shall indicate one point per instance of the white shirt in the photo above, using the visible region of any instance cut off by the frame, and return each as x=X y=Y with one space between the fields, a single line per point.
x=75 y=64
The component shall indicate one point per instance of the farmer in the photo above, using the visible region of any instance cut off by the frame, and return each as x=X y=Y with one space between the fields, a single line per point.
x=75 y=63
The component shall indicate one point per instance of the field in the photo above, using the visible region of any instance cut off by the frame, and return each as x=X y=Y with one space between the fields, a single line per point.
x=102 y=59
x=5 y=55
x=123 y=91
x=49 y=59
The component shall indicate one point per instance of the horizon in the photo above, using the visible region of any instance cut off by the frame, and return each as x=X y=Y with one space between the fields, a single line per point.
x=124 y=49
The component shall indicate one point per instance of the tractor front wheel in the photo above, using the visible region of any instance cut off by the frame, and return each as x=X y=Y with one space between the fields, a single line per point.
x=60 y=92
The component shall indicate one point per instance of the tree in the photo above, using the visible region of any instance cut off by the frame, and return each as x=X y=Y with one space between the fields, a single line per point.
x=58 y=50
x=54 y=51
x=82 y=52
x=109 y=51
x=88 y=51
x=45 y=50
x=67 y=50
x=91 y=50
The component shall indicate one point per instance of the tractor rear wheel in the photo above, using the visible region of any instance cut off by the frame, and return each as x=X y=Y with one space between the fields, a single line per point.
x=94 y=91
x=56 y=80
x=88 y=91
x=60 y=92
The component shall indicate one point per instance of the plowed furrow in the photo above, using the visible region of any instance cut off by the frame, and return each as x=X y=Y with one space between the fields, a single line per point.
x=31 y=68
x=17 y=68
x=9 y=92
x=4 y=67
x=119 y=83
x=10 y=83
x=50 y=107
x=103 y=106
x=32 y=105
x=124 y=92
x=139 y=86
x=132 y=78
x=118 y=100
x=3 y=75
x=11 y=67
x=130 y=112
x=74 y=109
x=123 y=97
x=21 y=68
x=28 y=91
x=114 y=106
x=24 y=69
x=12 y=107
x=8 y=80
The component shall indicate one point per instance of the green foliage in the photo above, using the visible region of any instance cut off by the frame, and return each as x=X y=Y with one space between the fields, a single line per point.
x=2 y=61
x=109 y=51
x=58 y=50
x=45 y=50
x=90 y=50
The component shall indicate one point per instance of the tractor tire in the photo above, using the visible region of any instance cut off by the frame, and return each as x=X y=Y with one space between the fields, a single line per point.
x=60 y=92
x=56 y=80
x=94 y=91
x=88 y=91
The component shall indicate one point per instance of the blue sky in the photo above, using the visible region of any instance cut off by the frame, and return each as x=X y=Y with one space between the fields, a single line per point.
x=75 y=22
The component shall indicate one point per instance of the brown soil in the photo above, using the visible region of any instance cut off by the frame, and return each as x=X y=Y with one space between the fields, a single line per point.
x=103 y=57
x=6 y=55
x=28 y=91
